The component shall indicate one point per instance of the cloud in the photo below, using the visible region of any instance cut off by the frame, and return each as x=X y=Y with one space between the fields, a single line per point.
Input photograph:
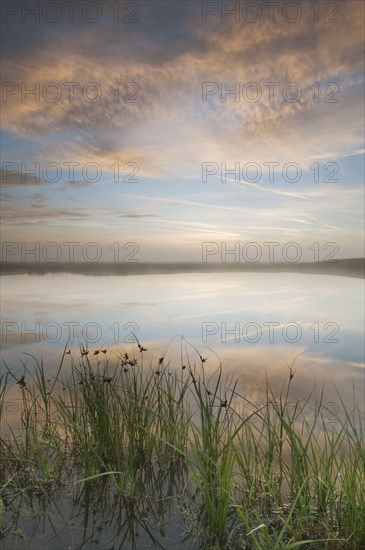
x=18 y=179
x=37 y=197
x=6 y=197
x=134 y=215
x=75 y=184
x=170 y=131
x=176 y=54
x=23 y=216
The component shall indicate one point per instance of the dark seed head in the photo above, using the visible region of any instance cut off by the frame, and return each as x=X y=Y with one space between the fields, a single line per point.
x=22 y=382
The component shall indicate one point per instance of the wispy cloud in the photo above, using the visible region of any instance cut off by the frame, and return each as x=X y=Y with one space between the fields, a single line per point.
x=170 y=131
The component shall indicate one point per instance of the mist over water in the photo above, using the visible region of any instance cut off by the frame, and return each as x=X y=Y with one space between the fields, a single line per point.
x=250 y=322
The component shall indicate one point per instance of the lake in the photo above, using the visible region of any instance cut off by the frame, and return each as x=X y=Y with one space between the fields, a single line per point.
x=251 y=322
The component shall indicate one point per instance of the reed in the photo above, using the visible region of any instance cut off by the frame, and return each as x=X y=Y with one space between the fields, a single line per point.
x=272 y=475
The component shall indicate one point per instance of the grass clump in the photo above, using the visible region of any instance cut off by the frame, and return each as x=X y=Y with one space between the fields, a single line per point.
x=267 y=475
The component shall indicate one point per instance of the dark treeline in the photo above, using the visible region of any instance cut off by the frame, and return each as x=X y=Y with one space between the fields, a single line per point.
x=345 y=267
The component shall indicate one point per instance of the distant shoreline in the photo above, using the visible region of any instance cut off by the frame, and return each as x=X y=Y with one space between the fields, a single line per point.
x=354 y=267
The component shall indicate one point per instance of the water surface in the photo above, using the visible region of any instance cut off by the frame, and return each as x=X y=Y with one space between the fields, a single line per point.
x=248 y=321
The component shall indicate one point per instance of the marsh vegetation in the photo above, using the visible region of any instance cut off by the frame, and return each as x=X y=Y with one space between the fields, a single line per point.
x=152 y=454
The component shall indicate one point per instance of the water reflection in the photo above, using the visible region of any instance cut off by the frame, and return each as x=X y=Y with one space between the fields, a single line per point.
x=251 y=321
x=94 y=515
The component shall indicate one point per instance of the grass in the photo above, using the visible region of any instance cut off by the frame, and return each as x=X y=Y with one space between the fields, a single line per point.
x=269 y=476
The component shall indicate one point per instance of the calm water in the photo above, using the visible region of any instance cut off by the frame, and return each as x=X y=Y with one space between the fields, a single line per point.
x=248 y=321
x=252 y=323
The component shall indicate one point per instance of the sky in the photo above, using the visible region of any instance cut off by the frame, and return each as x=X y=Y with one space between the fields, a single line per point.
x=173 y=131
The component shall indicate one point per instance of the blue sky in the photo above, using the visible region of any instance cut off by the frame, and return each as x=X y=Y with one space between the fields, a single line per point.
x=161 y=128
